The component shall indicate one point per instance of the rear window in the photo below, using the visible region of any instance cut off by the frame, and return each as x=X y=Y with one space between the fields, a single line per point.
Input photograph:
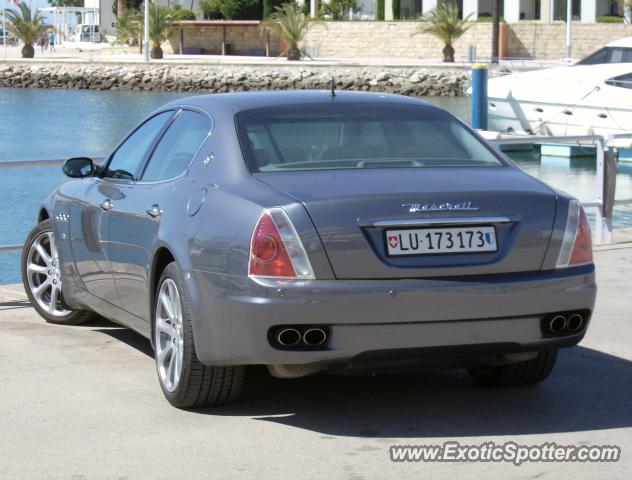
x=356 y=135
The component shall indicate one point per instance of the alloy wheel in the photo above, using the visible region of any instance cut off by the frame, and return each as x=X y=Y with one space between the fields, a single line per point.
x=169 y=338
x=44 y=275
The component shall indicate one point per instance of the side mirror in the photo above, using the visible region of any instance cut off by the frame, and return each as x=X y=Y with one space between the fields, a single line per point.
x=79 y=167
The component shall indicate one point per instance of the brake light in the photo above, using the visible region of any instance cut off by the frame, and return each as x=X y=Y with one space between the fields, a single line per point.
x=276 y=249
x=576 y=246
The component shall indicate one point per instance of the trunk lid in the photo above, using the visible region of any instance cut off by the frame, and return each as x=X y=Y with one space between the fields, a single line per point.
x=352 y=209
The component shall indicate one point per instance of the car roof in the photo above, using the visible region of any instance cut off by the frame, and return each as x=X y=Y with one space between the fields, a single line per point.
x=239 y=101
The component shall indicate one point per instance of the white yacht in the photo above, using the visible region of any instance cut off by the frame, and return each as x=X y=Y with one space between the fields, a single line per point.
x=593 y=96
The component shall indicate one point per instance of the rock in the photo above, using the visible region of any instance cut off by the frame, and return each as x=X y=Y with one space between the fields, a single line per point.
x=414 y=78
x=191 y=78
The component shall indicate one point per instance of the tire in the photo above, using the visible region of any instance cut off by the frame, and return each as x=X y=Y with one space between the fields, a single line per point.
x=516 y=374
x=42 y=280
x=185 y=382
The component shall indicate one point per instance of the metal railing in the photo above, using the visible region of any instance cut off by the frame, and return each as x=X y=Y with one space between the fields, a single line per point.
x=25 y=164
x=605 y=181
x=510 y=63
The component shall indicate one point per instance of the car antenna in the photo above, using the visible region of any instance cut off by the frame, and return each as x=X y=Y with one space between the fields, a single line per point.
x=333 y=86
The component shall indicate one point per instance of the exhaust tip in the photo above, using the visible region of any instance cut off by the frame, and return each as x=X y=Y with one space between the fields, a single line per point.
x=557 y=324
x=315 y=337
x=288 y=337
x=575 y=322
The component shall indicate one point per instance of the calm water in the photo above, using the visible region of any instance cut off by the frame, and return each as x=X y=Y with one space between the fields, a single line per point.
x=57 y=124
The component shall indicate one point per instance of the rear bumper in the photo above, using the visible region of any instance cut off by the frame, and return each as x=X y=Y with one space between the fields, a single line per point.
x=383 y=318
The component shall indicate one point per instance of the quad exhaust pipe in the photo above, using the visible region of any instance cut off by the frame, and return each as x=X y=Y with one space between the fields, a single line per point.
x=314 y=337
x=305 y=336
x=575 y=322
x=288 y=337
x=560 y=324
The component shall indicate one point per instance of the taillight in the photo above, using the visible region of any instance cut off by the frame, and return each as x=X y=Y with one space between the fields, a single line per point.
x=576 y=246
x=276 y=249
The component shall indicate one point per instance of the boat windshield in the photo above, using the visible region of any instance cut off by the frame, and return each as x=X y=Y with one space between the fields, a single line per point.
x=608 y=55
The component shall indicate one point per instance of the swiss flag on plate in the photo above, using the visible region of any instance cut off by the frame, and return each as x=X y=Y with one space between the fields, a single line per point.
x=392 y=241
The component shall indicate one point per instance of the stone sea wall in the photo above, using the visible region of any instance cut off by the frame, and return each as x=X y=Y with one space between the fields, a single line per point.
x=218 y=79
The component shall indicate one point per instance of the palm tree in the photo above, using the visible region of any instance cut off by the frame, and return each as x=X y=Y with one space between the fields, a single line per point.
x=129 y=28
x=496 y=32
x=291 y=24
x=445 y=23
x=29 y=26
x=120 y=9
x=161 y=25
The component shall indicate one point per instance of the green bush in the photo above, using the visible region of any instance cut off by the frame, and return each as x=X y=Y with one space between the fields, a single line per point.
x=609 y=19
x=231 y=9
x=210 y=9
x=338 y=9
x=380 y=9
x=269 y=6
x=181 y=13
x=306 y=8
x=396 y=9
x=485 y=19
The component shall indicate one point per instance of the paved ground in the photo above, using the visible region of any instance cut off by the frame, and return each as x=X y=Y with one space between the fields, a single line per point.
x=87 y=53
x=83 y=402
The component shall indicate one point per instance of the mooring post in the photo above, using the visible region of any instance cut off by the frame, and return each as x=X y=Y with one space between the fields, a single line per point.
x=609 y=188
x=479 y=97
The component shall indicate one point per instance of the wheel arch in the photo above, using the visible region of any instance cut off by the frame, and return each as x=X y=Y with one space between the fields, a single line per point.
x=42 y=215
x=162 y=257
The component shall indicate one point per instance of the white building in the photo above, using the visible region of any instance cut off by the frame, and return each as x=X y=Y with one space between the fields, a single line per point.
x=107 y=19
x=512 y=10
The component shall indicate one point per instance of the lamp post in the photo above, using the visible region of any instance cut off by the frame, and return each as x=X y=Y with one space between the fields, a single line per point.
x=4 y=28
x=146 y=39
x=569 y=15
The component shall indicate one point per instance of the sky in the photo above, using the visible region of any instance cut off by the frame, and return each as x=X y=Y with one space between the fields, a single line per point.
x=32 y=4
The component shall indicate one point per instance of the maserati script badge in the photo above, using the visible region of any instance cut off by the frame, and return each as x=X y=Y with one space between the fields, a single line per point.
x=439 y=207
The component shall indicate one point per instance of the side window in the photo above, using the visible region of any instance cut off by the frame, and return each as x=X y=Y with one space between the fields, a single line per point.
x=128 y=159
x=177 y=147
x=616 y=55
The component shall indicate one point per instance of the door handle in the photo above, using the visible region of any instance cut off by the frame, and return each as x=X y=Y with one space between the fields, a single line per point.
x=154 y=211
x=107 y=204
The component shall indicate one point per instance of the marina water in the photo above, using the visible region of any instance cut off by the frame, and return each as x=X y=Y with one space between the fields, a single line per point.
x=41 y=124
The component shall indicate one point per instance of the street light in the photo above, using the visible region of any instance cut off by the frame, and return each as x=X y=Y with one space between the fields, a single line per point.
x=569 y=15
x=146 y=27
x=4 y=28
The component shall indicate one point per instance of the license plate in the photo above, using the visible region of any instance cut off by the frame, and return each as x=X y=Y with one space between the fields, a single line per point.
x=427 y=241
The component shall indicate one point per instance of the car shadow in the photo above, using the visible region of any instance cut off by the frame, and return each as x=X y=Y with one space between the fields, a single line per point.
x=587 y=391
x=14 y=304
x=122 y=334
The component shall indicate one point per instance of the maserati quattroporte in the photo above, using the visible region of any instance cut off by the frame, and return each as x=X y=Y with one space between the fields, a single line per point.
x=309 y=232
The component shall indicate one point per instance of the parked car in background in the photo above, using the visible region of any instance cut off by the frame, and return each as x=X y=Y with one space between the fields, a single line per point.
x=314 y=231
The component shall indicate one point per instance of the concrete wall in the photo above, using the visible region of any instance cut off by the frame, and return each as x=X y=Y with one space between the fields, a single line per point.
x=389 y=39
x=394 y=39
x=548 y=40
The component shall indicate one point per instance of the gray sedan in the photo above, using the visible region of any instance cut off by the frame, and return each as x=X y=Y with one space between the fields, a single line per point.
x=314 y=231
